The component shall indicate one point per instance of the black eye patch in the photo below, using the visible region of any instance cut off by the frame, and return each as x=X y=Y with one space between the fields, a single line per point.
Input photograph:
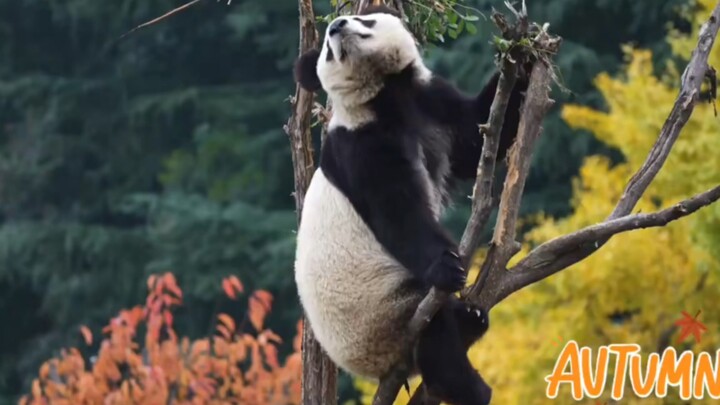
x=367 y=23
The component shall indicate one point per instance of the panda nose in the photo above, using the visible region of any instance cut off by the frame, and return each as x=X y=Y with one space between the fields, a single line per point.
x=337 y=26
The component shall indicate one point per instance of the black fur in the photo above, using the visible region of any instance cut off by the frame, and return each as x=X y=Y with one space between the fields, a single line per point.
x=445 y=104
x=442 y=356
x=305 y=70
x=378 y=168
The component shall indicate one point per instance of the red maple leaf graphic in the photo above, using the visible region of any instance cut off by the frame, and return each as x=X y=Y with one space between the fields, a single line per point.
x=690 y=325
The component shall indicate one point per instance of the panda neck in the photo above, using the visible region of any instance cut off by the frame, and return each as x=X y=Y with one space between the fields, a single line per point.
x=353 y=108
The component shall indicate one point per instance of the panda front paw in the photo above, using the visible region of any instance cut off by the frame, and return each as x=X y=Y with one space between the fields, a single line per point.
x=447 y=273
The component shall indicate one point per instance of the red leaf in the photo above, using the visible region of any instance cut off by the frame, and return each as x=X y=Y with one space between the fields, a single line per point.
x=151 y=282
x=224 y=331
x=86 y=334
x=227 y=321
x=690 y=325
x=171 y=284
x=259 y=306
x=271 y=355
x=235 y=282
x=228 y=288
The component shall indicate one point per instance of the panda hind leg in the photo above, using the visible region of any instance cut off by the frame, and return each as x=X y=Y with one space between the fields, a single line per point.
x=442 y=359
x=472 y=322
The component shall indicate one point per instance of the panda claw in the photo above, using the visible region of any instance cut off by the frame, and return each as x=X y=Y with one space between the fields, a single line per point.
x=447 y=273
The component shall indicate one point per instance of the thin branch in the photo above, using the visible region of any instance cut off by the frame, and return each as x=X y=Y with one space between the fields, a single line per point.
x=543 y=262
x=590 y=236
x=482 y=198
x=162 y=17
x=504 y=245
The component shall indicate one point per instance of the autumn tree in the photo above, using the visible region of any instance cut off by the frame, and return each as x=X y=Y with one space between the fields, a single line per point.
x=237 y=363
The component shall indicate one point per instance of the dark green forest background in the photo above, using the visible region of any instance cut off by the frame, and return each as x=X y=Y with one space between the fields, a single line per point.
x=164 y=151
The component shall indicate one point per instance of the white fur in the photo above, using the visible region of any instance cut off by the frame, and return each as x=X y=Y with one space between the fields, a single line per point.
x=358 y=77
x=348 y=285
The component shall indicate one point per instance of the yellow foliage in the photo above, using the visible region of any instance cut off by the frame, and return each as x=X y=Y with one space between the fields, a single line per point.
x=635 y=287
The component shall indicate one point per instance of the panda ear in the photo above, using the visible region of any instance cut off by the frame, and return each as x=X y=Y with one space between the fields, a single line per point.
x=305 y=70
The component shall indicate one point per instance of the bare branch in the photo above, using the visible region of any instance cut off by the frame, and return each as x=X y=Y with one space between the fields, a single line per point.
x=542 y=262
x=164 y=16
x=482 y=198
x=504 y=245
x=590 y=236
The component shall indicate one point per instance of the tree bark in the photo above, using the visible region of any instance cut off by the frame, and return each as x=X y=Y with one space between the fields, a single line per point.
x=319 y=374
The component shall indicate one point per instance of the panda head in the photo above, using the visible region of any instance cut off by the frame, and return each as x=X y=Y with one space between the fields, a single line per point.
x=357 y=53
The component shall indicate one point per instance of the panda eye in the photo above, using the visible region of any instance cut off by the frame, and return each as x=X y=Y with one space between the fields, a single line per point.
x=366 y=23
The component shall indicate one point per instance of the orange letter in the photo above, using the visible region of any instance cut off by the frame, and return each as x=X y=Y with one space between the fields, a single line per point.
x=594 y=389
x=675 y=372
x=707 y=377
x=623 y=351
x=569 y=356
x=643 y=389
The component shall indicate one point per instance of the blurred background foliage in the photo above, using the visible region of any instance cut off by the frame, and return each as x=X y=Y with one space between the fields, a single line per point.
x=164 y=151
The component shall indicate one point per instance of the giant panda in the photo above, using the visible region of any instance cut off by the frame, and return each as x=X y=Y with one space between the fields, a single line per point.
x=370 y=244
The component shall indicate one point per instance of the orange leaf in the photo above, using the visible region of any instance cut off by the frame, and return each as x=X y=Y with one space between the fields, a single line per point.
x=44 y=371
x=171 y=284
x=271 y=356
x=297 y=342
x=36 y=390
x=268 y=336
x=258 y=308
x=228 y=288
x=235 y=282
x=86 y=334
x=224 y=331
x=227 y=320
x=265 y=297
x=151 y=282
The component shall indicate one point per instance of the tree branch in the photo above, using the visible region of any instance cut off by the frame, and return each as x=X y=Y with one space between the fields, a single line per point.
x=504 y=245
x=545 y=261
x=319 y=374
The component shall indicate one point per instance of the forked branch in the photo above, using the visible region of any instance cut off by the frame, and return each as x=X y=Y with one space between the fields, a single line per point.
x=560 y=253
